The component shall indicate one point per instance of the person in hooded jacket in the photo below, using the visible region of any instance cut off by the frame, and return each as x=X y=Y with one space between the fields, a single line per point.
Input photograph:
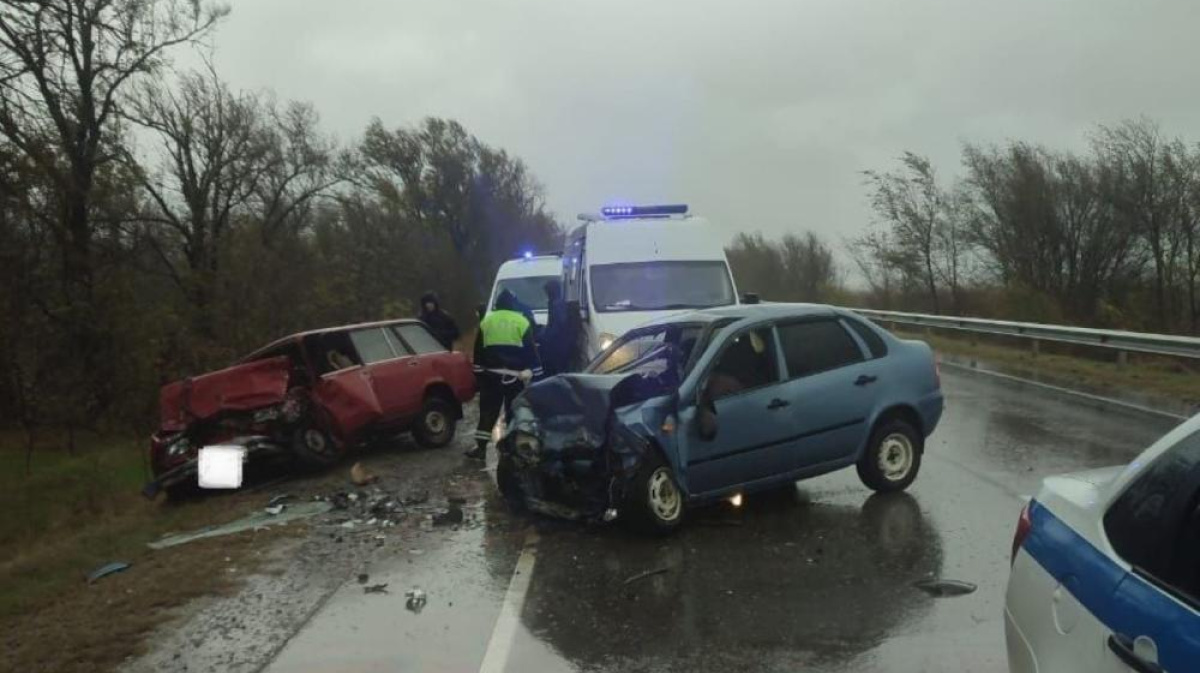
x=506 y=359
x=443 y=327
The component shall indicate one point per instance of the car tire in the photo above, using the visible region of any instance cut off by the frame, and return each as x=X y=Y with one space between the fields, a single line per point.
x=509 y=484
x=655 y=503
x=313 y=448
x=435 y=426
x=892 y=458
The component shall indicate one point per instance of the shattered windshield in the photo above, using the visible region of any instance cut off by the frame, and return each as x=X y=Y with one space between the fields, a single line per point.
x=653 y=350
x=657 y=286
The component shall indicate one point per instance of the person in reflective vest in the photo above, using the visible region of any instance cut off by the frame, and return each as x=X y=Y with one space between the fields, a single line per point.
x=506 y=359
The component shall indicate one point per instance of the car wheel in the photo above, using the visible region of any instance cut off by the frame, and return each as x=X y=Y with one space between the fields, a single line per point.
x=655 y=502
x=435 y=426
x=313 y=448
x=509 y=484
x=892 y=458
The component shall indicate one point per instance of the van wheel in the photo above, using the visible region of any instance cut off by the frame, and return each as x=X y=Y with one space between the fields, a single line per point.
x=655 y=502
x=435 y=426
x=892 y=458
x=313 y=448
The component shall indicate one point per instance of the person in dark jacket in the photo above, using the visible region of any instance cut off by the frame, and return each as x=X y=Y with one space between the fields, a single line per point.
x=443 y=327
x=505 y=342
x=554 y=342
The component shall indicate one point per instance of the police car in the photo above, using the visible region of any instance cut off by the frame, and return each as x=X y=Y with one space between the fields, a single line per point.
x=1106 y=567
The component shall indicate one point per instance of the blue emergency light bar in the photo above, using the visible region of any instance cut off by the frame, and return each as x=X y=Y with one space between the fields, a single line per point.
x=617 y=212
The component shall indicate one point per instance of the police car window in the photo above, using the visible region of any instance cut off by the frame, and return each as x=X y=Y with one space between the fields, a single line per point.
x=530 y=291
x=1149 y=520
x=817 y=346
x=419 y=339
x=372 y=345
x=874 y=342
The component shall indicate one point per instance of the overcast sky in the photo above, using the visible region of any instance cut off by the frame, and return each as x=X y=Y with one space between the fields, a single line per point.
x=761 y=115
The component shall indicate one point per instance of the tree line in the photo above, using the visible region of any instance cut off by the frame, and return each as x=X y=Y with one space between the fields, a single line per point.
x=1105 y=237
x=156 y=223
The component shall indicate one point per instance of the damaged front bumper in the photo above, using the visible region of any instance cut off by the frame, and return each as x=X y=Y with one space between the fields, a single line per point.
x=569 y=455
x=187 y=470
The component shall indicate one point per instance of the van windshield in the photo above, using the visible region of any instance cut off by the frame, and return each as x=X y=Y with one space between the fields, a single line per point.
x=530 y=290
x=657 y=286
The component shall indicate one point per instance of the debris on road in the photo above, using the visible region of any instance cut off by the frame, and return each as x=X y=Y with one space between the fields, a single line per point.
x=363 y=578
x=361 y=477
x=376 y=589
x=106 y=570
x=648 y=573
x=945 y=588
x=415 y=600
x=274 y=510
x=279 y=499
x=452 y=516
x=252 y=522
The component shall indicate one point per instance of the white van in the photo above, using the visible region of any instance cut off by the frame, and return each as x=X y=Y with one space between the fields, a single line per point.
x=632 y=264
x=526 y=278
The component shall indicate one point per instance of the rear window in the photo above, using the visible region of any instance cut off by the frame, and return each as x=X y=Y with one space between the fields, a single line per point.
x=418 y=339
x=817 y=346
x=869 y=335
x=372 y=345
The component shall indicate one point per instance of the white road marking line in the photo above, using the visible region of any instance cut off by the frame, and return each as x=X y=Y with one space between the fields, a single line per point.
x=505 y=631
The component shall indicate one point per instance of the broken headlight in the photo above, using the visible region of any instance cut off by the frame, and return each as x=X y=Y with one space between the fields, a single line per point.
x=178 y=447
x=527 y=446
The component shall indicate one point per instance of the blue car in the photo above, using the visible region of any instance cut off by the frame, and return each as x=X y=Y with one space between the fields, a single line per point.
x=710 y=404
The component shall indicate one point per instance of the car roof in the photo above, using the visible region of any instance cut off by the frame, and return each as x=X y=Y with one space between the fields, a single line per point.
x=325 y=330
x=749 y=312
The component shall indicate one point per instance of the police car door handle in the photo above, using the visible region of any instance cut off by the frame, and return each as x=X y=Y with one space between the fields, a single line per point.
x=865 y=380
x=777 y=404
x=1122 y=646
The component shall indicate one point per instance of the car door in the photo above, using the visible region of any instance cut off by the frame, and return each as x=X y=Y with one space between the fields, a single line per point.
x=1154 y=526
x=830 y=389
x=753 y=427
x=425 y=350
x=392 y=370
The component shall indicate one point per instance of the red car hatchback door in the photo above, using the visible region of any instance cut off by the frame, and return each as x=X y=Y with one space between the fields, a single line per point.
x=348 y=396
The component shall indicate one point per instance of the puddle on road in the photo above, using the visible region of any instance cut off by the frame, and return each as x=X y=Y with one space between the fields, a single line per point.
x=945 y=588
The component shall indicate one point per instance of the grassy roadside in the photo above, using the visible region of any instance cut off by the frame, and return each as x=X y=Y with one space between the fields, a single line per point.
x=1169 y=379
x=73 y=513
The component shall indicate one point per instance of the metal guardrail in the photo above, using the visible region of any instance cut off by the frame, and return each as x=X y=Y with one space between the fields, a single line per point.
x=1119 y=341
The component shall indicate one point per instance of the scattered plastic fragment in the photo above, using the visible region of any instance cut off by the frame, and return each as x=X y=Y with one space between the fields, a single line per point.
x=106 y=570
x=415 y=600
x=376 y=589
x=648 y=573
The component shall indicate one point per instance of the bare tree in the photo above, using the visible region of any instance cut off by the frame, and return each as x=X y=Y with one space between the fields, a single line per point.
x=215 y=152
x=63 y=67
x=913 y=208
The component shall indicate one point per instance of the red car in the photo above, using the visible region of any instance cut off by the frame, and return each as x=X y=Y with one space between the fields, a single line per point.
x=313 y=395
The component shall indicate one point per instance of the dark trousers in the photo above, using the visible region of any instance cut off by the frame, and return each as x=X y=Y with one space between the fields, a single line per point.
x=494 y=396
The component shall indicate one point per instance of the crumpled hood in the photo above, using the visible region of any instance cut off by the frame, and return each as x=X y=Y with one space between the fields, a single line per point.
x=571 y=410
x=565 y=410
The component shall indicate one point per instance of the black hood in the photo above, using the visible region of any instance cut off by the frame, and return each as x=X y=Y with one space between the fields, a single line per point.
x=430 y=298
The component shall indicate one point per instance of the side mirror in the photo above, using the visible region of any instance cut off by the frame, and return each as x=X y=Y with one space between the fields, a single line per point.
x=750 y=298
x=706 y=415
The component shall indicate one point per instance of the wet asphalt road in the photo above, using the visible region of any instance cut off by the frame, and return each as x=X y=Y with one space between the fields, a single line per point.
x=818 y=577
